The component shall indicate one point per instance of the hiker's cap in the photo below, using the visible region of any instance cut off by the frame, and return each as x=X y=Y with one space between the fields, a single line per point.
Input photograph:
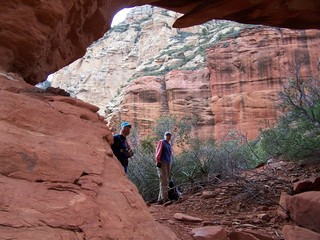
x=125 y=124
x=167 y=133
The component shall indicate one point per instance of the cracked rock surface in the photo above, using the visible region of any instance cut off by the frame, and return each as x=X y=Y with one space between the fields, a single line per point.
x=58 y=179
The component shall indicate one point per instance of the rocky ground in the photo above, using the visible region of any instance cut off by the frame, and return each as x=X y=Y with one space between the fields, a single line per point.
x=249 y=201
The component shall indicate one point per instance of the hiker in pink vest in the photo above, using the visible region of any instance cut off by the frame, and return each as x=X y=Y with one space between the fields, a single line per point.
x=163 y=160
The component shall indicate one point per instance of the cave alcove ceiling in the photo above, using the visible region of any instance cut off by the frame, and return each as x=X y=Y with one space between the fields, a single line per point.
x=38 y=38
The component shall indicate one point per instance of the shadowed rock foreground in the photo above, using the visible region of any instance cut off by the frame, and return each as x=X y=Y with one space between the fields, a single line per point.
x=58 y=179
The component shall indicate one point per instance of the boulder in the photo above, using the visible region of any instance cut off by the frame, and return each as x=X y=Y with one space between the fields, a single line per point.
x=242 y=236
x=302 y=186
x=210 y=232
x=304 y=209
x=299 y=233
x=186 y=218
x=209 y=194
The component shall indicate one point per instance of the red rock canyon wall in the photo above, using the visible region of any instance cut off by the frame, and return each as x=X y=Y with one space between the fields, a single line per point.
x=247 y=72
x=239 y=89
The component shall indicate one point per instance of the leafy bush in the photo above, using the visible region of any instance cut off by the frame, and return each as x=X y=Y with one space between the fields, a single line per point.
x=142 y=172
x=193 y=164
x=291 y=140
x=301 y=99
x=297 y=134
x=206 y=162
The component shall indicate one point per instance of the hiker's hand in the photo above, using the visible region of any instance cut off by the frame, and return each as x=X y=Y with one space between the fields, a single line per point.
x=130 y=151
x=158 y=164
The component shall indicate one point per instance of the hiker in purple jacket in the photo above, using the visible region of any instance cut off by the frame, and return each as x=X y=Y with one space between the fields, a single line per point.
x=163 y=160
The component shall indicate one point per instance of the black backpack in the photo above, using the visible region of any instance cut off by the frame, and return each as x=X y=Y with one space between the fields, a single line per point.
x=173 y=193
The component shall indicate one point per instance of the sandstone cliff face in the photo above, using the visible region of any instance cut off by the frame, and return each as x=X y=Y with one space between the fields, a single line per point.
x=235 y=86
x=180 y=93
x=58 y=176
x=109 y=63
x=237 y=91
x=247 y=72
x=144 y=45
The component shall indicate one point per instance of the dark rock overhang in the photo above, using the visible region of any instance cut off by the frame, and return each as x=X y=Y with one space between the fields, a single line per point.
x=40 y=37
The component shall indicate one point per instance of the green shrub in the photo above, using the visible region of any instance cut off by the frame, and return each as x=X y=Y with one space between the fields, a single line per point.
x=291 y=140
x=205 y=162
x=297 y=133
x=179 y=127
x=193 y=164
x=201 y=162
x=143 y=173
